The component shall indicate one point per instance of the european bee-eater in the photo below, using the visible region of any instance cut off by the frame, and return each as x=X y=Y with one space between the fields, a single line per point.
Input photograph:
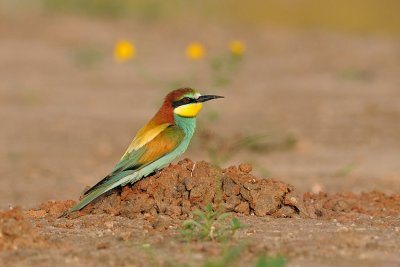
x=165 y=137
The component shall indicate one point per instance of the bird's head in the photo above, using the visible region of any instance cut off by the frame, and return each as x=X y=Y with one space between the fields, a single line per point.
x=187 y=102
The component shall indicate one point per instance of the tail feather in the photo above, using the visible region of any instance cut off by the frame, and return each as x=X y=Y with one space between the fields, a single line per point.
x=98 y=190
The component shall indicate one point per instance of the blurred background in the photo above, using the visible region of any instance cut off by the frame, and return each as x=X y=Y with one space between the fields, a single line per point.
x=312 y=89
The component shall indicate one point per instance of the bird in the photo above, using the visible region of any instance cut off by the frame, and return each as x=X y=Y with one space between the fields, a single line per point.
x=164 y=138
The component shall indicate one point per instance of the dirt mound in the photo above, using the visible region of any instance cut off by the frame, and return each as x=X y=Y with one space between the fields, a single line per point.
x=179 y=189
x=16 y=231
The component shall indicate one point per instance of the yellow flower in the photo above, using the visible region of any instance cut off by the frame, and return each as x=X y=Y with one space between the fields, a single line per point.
x=124 y=50
x=195 y=51
x=237 y=48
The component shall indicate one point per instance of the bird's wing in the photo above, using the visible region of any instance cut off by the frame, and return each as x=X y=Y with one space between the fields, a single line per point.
x=135 y=149
x=162 y=144
x=166 y=141
x=145 y=135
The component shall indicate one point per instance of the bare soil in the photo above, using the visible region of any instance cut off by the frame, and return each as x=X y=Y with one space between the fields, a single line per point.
x=139 y=225
x=331 y=199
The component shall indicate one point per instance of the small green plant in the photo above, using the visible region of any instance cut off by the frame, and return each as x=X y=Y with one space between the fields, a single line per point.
x=98 y=8
x=231 y=255
x=87 y=56
x=264 y=261
x=228 y=258
x=346 y=170
x=151 y=253
x=354 y=74
x=224 y=68
x=210 y=225
x=30 y=96
x=221 y=149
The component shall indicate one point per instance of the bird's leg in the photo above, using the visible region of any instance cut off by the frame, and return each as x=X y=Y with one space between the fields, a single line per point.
x=191 y=172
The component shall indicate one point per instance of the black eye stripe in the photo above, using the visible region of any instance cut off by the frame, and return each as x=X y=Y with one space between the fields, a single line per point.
x=183 y=101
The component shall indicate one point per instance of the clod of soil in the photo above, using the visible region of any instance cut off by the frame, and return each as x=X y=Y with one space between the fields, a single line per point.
x=179 y=189
x=16 y=231
x=344 y=206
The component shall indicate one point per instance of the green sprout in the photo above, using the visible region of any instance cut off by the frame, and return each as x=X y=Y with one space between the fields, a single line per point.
x=210 y=225
x=264 y=261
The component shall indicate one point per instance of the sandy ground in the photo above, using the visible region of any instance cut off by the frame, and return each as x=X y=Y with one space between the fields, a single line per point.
x=140 y=225
x=65 y=122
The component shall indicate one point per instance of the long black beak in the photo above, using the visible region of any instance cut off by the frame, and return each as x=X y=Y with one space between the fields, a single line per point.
x=205 y=98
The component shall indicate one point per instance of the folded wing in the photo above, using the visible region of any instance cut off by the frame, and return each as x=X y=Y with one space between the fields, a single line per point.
x=162 y=144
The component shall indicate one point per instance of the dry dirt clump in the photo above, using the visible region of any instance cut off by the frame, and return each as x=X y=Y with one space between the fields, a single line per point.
x=179 y=189
x=375 y=204
x=16 y=231
x=52 y=208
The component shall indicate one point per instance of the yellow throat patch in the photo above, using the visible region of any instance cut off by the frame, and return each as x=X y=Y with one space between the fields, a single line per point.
x=189 y=110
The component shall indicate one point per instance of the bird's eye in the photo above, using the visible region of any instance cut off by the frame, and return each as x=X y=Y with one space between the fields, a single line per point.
x=185 y=100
